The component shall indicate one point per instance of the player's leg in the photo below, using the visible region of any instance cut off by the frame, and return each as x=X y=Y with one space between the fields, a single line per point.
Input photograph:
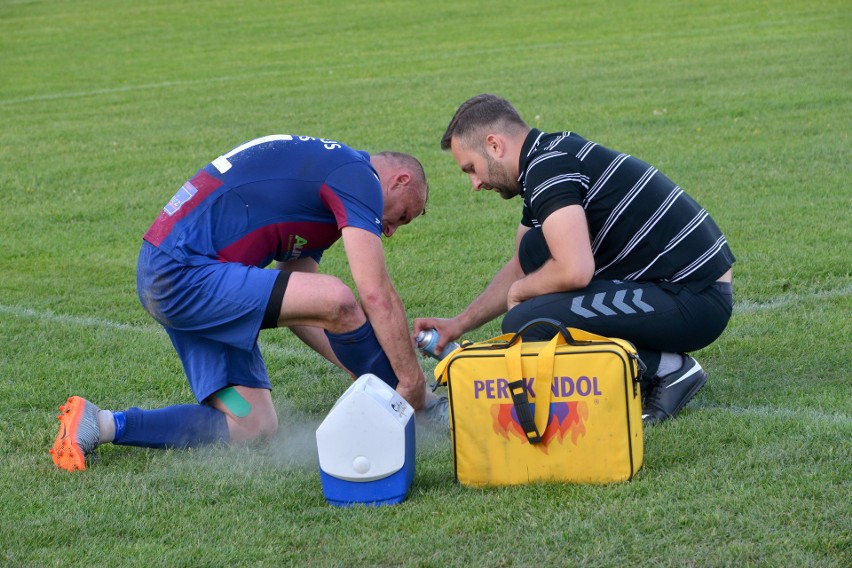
x=213 y=315
x=236 y=407
x=83 y=427
x=249 y=412
x=234 y=391
x=326 y=302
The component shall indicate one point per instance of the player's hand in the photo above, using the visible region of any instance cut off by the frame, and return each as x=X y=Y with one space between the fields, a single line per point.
x=414 y=392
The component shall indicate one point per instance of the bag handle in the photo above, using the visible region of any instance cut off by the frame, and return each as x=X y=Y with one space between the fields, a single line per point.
x=533 y=423
x=508 y=339
x=561 y=329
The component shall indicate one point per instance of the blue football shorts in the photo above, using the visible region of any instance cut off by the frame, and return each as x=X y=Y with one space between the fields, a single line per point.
x=213 y=314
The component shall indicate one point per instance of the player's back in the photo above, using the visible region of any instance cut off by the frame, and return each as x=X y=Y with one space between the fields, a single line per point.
x=247 y=204
x=282 y=156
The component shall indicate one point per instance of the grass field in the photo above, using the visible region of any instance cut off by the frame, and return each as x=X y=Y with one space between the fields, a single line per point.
x=108 y=107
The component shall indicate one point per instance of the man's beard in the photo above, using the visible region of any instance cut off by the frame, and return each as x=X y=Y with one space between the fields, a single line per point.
x=501 y=181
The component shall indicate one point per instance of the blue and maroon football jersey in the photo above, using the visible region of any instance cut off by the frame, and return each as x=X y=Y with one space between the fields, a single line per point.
x=280 y=197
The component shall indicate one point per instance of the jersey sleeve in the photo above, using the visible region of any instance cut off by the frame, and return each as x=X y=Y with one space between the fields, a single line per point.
x=552 y=184
x=354 y=194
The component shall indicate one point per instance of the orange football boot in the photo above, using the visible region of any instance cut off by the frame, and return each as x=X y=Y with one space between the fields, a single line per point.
x=78 y=435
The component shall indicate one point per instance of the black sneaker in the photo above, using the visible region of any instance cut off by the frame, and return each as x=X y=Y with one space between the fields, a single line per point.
x=671 y=393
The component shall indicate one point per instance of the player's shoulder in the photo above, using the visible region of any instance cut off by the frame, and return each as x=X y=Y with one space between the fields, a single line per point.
x=333 y=154
x=273 y=146
x=293 y=156
x=327 y=150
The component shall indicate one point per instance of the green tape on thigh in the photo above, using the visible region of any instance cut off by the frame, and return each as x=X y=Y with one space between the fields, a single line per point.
x=234 y=402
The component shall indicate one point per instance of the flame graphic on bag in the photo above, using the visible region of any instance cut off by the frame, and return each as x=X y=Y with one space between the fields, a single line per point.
x=565 y=417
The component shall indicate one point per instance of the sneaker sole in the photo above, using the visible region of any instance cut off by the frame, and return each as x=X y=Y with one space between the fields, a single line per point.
x=66 y=452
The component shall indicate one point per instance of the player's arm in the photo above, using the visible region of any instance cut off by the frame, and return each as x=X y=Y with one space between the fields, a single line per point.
x=572 y=264
x=313 y=337
x=491 y=303
x=383 y=307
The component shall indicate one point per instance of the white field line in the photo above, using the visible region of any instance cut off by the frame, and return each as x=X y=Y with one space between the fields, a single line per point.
x=48 y=315
x=760 y=411
x=86 y=321
x=833 y=418
x=740 y=307
x=750 y=306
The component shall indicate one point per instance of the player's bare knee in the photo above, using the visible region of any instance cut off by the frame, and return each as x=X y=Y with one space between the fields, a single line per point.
x=250 y=412
x=345 y=313
x=253 y=427
x=267 y=425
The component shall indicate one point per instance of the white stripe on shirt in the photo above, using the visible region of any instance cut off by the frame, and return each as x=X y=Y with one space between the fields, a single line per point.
x=619 y=209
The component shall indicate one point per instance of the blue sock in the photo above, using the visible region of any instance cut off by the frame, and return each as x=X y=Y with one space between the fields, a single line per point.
x=120 y=422
x=360 y=352
x=179 y=426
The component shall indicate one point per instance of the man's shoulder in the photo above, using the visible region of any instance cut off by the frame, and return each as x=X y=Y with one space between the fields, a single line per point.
x=565 y=142
x=554 y=153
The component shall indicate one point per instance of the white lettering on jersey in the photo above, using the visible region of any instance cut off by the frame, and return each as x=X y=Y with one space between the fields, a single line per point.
x=223 y=164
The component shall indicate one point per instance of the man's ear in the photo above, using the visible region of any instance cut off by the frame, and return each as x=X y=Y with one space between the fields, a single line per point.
x=402 y=179
x=495 y=145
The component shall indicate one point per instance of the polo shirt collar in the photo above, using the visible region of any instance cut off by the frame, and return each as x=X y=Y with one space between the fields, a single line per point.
x=527 y=150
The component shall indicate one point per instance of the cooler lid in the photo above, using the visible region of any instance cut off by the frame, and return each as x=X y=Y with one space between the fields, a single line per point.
x=363 y=436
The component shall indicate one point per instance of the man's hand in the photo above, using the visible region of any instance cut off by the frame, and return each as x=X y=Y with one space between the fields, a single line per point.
x=514 y=296
x=448 y=330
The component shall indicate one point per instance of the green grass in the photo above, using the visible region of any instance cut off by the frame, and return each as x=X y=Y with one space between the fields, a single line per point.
x=107 y=107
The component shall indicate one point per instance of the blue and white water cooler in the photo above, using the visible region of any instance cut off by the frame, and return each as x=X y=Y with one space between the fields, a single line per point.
x=366 y=446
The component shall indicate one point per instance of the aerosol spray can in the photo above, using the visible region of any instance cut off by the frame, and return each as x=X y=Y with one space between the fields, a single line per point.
x=427 y=340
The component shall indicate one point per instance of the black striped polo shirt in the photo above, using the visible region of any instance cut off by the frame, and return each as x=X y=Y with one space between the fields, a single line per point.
x=642 y=226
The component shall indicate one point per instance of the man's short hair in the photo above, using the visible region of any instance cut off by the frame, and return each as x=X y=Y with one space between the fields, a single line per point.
x=480 y=112
x=411 y=164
